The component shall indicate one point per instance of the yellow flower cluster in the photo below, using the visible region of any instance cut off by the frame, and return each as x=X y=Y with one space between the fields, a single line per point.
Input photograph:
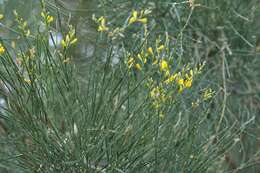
x=70 y=38
x=186 y=81
x=157 y=59
x=102 y=24
x=47 y=18
x=2 y=49
x=185 y=78
x=141 y=59
x=137 y=18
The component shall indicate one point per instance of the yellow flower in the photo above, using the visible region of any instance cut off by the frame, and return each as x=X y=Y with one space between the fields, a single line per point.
x=160 y=48
x=188 y=83
x=1 y=16
x=133 y=18
x=170 y=79
x=180 y=81
x=142 y=20
x=130 y=62
x=150 y=51
x=142 y=57
x=145 y=60
x=69 y=39
x=164 y=65
x=63 y=43
x=139 y=57
x=155 y=62
x=48 y=18
x=167 y=73
x=134 y=14
x=2 y=49
x=138 y=66
x=102 y=24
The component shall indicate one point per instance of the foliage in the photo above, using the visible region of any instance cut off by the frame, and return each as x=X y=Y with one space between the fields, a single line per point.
x=144 y=100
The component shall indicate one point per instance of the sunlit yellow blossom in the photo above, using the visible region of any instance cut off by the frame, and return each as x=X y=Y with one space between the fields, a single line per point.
x=1 y=16
x=2 y=49
x=142 y=20
x=180 y=81
x=142 y=57
x=164 y=65
x=134 y=18
x=131 y=20
x=70 y=38
x=48 y=18
x=102 y=24
x=150 y=51
x=170 y=79
x=188 y=83
x=167 y=73
x=138 y=66
x=63 y=43
x=160 y=48
x=130 y=62
x=139 y=57
x=155 y=62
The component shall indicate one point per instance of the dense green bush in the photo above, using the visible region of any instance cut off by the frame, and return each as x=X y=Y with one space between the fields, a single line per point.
x=129 y=86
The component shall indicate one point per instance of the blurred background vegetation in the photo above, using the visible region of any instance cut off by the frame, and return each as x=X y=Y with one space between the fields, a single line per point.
x=224 y=33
